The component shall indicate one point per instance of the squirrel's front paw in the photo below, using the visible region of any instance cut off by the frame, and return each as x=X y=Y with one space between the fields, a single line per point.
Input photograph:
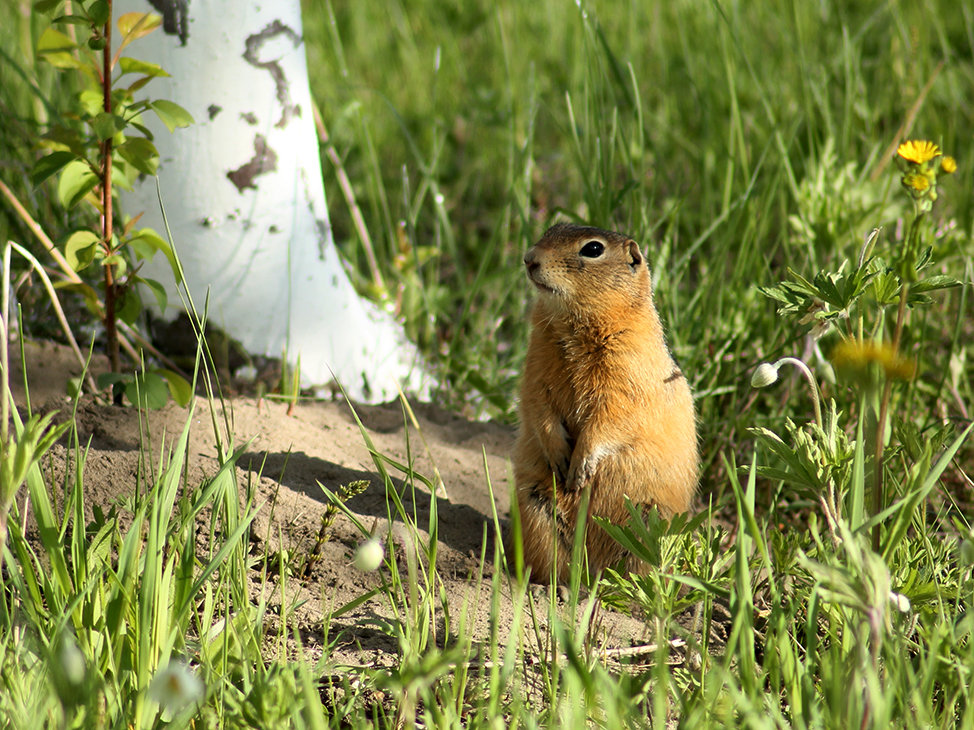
x=582 y=474
x=585 y=465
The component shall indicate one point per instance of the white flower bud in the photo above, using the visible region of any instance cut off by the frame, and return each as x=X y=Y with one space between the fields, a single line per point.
x=73 y=663
x=368 y=555
x=176 y=687
x=764 y=375
x=899 y=601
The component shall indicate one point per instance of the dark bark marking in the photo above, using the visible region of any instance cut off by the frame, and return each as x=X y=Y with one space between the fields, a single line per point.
x=213 y=109
x=251 y=55
x=321 y=225
x=175 y=17
x=249 y=117
x=264 y=160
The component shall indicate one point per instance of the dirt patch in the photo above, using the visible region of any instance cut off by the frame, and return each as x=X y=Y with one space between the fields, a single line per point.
x=284 y=459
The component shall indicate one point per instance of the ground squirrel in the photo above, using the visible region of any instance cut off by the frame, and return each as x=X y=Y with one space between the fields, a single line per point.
x=603 y=404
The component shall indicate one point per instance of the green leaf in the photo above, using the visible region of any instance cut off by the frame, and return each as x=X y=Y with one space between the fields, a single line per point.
x=144 y=130
x=72 y=20
x=141 y=154
x=138 y=84
x=54 y=41
x=49 y=165
x=92 y=101
x=106 y=380
x=80 y=249
x=105 y=125
x=118 y=261
x=130 y=307
x=157 y=289
x=135 y=66
x=138 y=24
x=133 y=26
x=137 y=107
x=886 y=288
x=171 y=114
x=146 y=242
x=99 y=12
x=934 y=283
x=148 y=390
x=180 y=388
x=56 y=48
x=76 y=181
x=62 y=60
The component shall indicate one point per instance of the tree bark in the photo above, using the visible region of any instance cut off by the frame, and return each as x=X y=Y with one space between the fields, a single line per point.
x=244 y=198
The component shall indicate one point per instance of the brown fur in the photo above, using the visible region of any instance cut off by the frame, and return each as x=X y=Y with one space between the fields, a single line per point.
x=603 y=406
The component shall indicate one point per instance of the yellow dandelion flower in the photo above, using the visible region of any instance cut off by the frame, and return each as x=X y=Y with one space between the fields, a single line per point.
x=948 y=165
x=855 y=358
x=916 y=182
x=918 y=151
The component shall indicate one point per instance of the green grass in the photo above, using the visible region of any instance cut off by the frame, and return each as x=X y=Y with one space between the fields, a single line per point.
x=735 y=141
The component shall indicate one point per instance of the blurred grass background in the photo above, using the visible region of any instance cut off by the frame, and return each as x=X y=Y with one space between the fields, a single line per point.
x=732 y=140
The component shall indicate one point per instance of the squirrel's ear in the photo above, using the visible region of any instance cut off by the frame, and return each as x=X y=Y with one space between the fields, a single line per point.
x=635 y=255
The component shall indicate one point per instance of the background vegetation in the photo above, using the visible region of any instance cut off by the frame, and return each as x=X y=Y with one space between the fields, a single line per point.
x=735 y=141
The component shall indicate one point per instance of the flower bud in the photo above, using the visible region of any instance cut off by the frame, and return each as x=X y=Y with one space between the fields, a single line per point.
x=368 y=555
x=900 y=602
x=764 y=375
x=176 y=687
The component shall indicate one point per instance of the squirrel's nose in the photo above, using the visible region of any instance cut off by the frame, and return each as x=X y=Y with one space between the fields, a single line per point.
x=530 y=260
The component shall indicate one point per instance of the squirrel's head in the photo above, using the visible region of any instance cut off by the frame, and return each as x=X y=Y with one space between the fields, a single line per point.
x=580 y=267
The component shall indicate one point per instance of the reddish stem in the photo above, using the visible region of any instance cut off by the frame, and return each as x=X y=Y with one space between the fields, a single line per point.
x=111 y=332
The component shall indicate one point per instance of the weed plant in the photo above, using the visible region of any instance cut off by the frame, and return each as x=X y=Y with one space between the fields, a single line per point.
x=826 y=580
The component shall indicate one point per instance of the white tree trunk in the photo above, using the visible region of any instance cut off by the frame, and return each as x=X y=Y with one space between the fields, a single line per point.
x=244 y=197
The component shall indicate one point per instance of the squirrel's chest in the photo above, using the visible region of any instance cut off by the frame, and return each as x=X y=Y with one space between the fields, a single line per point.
x=577 y=375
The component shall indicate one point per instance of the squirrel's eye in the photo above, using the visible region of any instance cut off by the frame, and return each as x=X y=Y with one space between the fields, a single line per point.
x=592 y=249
